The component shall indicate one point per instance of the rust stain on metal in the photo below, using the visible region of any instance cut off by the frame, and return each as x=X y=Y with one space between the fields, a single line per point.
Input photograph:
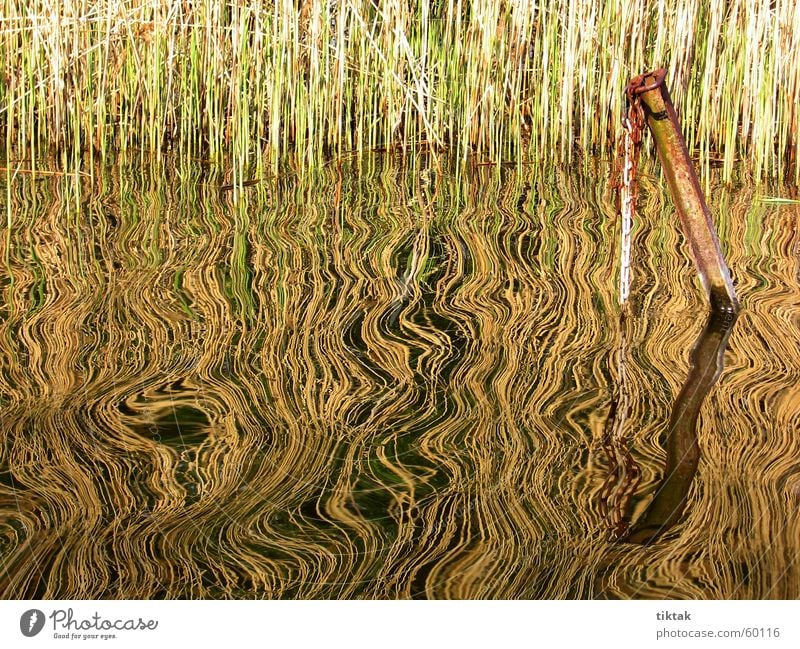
x=651 y=93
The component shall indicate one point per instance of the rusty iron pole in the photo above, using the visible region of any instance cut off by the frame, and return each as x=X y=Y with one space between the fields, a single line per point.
x=693 y=212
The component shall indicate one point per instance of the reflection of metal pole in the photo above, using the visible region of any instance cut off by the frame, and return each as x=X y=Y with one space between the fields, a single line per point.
x=683 y=453
x=692 y=210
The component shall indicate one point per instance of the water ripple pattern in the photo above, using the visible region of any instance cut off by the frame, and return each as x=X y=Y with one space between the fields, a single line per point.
x=382 y=382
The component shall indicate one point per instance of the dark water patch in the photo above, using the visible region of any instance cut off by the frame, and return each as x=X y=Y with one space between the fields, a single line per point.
x=182 y=426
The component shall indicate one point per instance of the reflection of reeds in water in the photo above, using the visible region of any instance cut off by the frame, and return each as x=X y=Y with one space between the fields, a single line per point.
x=623 y=472
x=376 y=385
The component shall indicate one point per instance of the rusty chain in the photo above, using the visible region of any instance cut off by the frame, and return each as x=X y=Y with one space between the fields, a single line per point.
x=629 y=147
x=624 y=474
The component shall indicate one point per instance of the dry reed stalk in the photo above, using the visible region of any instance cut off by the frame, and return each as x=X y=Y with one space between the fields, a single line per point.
x=495 y=79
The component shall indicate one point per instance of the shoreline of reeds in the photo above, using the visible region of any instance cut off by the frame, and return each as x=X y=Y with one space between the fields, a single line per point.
x=320 y=79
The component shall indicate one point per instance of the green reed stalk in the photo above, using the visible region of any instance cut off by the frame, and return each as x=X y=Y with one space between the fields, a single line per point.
x=494 y=79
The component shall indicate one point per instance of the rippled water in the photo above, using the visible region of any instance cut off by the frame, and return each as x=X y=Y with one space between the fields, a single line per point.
x=388 y=382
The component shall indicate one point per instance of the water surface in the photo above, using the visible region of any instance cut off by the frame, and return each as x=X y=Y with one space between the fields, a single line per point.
x=386 y=381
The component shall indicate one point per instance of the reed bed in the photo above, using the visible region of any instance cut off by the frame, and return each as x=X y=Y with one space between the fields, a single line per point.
x=255 y=83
